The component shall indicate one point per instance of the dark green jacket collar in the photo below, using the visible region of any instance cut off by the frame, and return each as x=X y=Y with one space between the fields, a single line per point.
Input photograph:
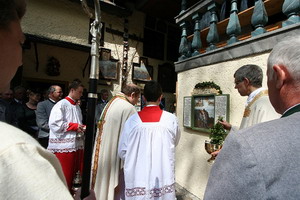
x=291 y=110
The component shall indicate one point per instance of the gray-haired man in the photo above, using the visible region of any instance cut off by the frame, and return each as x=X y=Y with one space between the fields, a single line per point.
x=43 y=113
x=248 y=82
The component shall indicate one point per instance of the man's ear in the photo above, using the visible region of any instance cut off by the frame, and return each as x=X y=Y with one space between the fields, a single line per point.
x=160 y=98
x=132 y=95
x=246 y=80
x=144 y=99
x=280 y=75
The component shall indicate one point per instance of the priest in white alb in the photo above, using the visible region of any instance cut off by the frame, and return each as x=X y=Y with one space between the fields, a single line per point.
x=248 y=81
x=258 y=108
x=107 y=175
x=147 y=146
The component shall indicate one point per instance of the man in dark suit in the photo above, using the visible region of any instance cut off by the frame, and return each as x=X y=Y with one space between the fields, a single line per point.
x=5 y=106
x=43 y=113
x=262 y=162
x=19 y=93
x=101 y=104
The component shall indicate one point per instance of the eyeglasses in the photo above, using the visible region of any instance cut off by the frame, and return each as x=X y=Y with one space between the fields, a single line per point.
x=237 y=82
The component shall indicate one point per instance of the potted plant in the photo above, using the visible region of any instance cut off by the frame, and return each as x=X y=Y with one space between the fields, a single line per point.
x=217 y=137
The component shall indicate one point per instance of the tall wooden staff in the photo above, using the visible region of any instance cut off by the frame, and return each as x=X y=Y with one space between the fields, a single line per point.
x=92 y=96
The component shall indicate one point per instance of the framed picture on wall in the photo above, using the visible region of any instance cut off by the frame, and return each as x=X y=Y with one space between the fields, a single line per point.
x=204 y=112
x=105 y=54
x=109 y=69
x=206 y=109
x=143 y=61
x=142 y=71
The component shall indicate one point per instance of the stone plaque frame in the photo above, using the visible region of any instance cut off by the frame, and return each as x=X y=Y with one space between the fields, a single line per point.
x=187 y=112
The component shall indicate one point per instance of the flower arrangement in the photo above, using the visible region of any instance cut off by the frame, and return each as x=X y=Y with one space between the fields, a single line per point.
x=207 y=87
x=217 y=133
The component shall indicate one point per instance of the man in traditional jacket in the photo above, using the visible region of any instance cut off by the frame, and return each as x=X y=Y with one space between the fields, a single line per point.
x=66 y=132
x=262 y=162
x=43 y=113
x=107 y=177
x=147 y=146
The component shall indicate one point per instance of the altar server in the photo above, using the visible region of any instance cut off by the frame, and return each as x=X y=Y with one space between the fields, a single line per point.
x=147 y=146
x=66 y=131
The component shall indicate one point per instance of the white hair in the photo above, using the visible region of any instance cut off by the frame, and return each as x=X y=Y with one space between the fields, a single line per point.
x=286 y=53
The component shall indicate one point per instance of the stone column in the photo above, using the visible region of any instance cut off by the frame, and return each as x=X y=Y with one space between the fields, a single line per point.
x=291 y=8
x=233 y=27
x=183 y=47
x=212 y=36
x=183 y=6
x=196 y=44
x=259 y=18
x=244 y=5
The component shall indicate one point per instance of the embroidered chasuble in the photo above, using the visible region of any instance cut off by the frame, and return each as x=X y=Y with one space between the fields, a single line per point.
x=147 y=146
x=106 y=164
x=258 y=110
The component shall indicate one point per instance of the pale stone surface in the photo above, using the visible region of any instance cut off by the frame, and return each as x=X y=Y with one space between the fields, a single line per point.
x=56 y=19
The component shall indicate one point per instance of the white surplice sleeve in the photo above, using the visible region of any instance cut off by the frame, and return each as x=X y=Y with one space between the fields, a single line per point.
x=122 y=148
x=57 y=122
x=177 y=131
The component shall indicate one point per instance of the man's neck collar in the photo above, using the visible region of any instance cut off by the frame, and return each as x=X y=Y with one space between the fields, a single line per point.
x=71 y=100
x=291 y=110
x=152 y=103
x=18 y=101
x=253 y=94
x=52 y=100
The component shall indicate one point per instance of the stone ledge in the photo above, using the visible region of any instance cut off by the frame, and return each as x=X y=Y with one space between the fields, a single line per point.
x=183 y=194
x=252 y=46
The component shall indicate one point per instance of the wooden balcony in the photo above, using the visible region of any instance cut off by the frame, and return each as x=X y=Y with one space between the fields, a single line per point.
x=239 y=28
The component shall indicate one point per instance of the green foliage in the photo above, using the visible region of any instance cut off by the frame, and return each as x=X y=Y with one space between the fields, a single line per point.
x=208 y=84
x=217 y=133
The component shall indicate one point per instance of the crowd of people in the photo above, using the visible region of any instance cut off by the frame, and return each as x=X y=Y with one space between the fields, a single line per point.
x=134 y=152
